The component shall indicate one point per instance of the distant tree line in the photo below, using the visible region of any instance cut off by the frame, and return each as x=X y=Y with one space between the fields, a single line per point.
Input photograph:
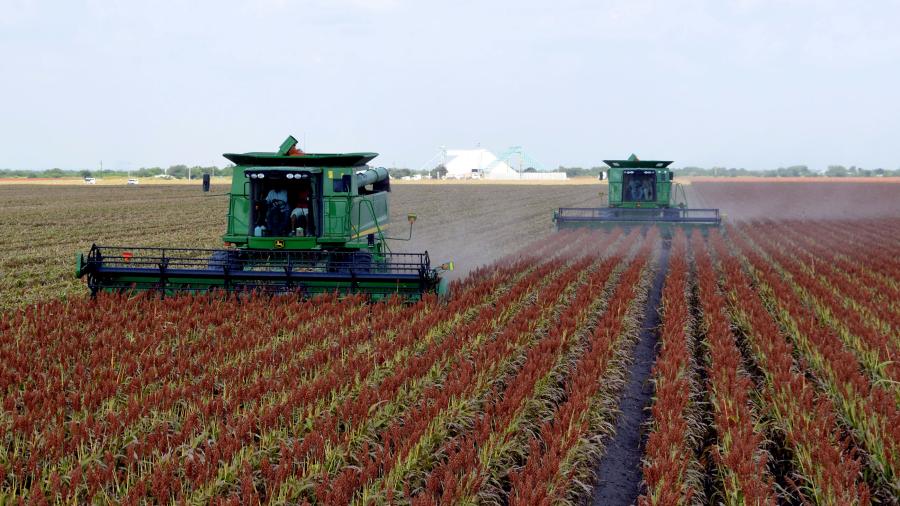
x=435 y=173
x=792 y=171
x=174 y=171
x=182 y=171
x=580 y=171
x=397 y=173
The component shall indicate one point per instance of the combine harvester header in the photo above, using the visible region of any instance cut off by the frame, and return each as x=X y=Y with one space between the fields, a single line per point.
x=641 y=192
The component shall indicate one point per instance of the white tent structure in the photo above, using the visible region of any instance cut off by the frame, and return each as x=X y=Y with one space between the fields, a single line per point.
x=476 y=163
x=482 y=163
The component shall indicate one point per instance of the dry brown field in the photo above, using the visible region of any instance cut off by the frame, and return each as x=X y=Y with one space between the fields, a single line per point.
x=105 y=181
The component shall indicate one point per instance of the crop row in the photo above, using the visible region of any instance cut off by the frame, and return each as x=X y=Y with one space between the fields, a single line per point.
x=571 y=438
x=700 y=364
x=840 y=303
x=826 y=469
x=237 y=400
x=669 y=465
x=770 y=355
x=868 y=408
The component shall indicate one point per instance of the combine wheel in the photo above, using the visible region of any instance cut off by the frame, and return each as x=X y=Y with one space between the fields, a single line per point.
x=443 y=290
x=344 y=262
x=362 y=261
x=221 y=259
x=671 y=213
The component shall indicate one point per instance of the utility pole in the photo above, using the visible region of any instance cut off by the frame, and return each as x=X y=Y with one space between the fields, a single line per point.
x=101 y=169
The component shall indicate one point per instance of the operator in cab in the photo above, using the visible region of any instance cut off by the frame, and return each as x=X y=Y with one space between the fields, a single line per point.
x=277 y=213
x=647 y=191
x=300 y=223
x=633 y=191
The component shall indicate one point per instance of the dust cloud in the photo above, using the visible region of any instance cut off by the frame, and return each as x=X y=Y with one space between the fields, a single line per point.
x=816 y=200
x=474 y=225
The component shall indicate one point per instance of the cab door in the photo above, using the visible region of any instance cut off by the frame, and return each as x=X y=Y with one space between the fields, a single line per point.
x=663 y=187
x=337 y=189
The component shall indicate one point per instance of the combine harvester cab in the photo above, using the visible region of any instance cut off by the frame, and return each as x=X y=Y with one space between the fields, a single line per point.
x=641 y=192
x=297 y=222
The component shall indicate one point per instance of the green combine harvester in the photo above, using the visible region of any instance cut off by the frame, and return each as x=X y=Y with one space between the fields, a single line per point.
x=641 y=192
x=297 y=222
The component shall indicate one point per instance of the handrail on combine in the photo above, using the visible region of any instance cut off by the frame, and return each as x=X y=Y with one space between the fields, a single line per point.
x=670 y=215
x=312 y=271
x=206 y=259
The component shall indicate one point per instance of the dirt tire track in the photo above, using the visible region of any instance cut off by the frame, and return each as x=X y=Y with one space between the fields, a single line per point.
x=619 y=473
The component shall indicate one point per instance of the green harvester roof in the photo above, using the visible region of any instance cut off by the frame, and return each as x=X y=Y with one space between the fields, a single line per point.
x=634 y=163
x=282 y=158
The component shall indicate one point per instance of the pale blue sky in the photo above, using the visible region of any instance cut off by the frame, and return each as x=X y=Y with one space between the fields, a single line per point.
x=752 y=83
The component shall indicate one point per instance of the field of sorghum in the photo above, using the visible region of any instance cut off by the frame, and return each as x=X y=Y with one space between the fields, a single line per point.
x=776 y=380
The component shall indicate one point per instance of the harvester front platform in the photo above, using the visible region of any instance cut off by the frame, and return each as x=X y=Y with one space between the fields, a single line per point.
x=641 y=192
x=297 y=222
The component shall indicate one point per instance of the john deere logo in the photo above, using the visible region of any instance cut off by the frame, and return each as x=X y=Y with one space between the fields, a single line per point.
x=279 y=244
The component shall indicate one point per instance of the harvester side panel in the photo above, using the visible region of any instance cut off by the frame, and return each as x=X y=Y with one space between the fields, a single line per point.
x=663 y=189
x=369 y=215
x=337 y=225
x=614 y=195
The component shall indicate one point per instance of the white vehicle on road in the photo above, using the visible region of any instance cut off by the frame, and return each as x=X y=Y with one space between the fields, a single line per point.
x=132 y=180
